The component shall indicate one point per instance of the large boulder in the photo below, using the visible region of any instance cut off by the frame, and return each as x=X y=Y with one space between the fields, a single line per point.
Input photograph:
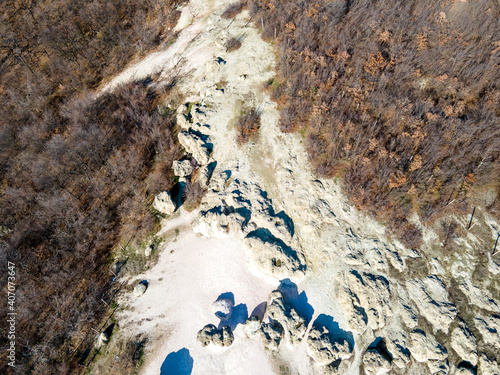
x=182 y=168
x=196 y=146
x=488 y=366
x=323 y=349
x=294 y=324
x=433 y=302
x=223 y=308
x=464 y=343
x=163 y=203
x=425 y=348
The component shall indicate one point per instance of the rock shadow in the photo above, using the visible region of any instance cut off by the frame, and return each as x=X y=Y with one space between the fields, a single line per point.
x=177 y=363
x=260 y=310
x=294 y=299
x=379 y=345
x=336 y=332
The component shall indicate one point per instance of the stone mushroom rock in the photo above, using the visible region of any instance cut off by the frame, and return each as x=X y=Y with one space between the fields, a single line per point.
x=182 y=168
x=295 y=326
x=322 y=349
x=432 y=300
x=206 y=334
x=163 y=203
x=365 y=297
x=464 y=343
x=252 y=325
x=224 y=337
x=223 y=308
x=271 y=335
x=489 y=328
x=196 y=146
x=375 y=363
x=488 y=366
x=140 y=288
x=211 y=335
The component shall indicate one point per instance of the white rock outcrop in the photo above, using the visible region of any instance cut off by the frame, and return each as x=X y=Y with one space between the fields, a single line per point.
x=375 y=363
x=163 y=203
x=425 y=348
x=488 y=366
x=182 y=168
x=322 y=348
x=489 y=328
x=432 y=300
x=366 y=299
x=195 y=145
x=252 y=326
x=294 y=325
x=271 y=335
x=464 y=344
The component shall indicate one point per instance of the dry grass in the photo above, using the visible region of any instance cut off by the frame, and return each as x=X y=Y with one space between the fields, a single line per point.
x=247 y=125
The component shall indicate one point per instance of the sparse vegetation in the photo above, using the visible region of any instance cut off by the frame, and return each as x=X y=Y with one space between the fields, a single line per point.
x=400 y=101
x=232 y=44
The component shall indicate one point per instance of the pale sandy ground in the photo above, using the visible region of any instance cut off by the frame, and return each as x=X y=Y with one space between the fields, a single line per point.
x=192 y=271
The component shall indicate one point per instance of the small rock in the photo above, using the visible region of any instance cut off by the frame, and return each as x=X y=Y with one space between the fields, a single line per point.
x=271 y=335
x=182 y=168
x=164 y=204
x=149 y=249
x=464 y=343
x=196 y=146
x=140 y=288
x=375 y=363
x=102 y=340
x=223 y=308
x=210 y=334
x=252 y=325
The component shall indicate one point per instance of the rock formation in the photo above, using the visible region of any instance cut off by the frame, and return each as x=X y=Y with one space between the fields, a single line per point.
x=365 y=298
x=163 y=203
x=323 y=349
x=294 y=325
x=432 y=300
x=211 y=335
x=464 y=343
x=223 y=308
x=271 y=335
x=375 y=363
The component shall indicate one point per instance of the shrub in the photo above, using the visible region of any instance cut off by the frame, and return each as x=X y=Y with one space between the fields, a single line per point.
x=232 y=44
x=247 y=124
x=233 y=9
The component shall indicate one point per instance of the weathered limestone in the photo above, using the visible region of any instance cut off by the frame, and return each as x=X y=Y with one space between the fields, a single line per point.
x=182 y=168
x=464 y=343
x=195 y=145
x=365 y=297
x=271 y=335
x=432 y=300
x=294 y=325
x=375 y=363
x=223 y=308
x=163 y=203
x=140 y=288
x=323 y=349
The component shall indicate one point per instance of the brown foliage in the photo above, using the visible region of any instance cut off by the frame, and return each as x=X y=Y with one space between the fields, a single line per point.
x=247 y=124
x=397 y=100
x=232 y=44
x=233 y=9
